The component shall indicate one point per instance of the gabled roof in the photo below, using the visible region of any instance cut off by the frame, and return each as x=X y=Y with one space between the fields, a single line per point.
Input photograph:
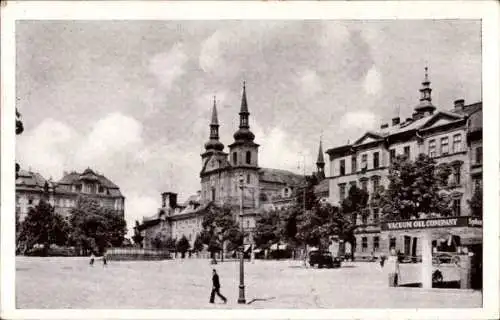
x=368 y=137
x=30 y=179
x=441 y=118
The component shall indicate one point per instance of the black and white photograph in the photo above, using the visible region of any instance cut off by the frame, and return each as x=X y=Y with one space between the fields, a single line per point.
x=248 y=163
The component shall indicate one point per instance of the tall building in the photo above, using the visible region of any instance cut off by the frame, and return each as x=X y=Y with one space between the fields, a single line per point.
x=222 y=175
x=31 y=187
x=449 y=136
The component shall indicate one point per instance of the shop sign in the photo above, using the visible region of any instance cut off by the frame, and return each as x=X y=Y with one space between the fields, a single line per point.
x=475 y=222
x=427 y=223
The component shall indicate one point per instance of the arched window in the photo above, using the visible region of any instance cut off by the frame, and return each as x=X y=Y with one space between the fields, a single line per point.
x=235 y=158
x=248 y=179
x=248 y=157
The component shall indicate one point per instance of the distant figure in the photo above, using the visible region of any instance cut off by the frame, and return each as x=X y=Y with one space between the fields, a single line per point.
x=92 y=258
x=216 y=288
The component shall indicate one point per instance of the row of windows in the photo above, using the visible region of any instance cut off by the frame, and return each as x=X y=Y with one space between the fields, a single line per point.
x=364 y=163
x=444 y=146
x=364 y=186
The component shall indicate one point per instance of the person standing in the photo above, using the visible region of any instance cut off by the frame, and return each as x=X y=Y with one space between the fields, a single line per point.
x=216 y=288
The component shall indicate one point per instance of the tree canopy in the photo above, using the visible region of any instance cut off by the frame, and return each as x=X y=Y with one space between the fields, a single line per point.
x=183 y=245
x=415 y=187
x=137 y=237
x=476 y=202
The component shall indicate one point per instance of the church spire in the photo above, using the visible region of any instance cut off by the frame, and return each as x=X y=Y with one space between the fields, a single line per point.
x=213 y=142
x=320 y=162
x=244 y=133
x=425 y=104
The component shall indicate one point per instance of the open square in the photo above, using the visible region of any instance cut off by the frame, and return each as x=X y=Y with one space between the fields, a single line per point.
x=61 y=283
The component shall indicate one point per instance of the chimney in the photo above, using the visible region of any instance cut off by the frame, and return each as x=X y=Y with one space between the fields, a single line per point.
x=459 y=105
x=169 y=199
x=384 y=126
x=395 y=121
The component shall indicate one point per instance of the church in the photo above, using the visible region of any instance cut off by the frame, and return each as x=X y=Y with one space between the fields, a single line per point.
x=232 y=178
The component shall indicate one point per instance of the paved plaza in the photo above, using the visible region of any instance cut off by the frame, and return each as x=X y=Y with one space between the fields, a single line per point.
x=72 y=283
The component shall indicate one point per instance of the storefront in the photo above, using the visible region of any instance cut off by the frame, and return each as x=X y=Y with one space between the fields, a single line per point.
x=454 y=242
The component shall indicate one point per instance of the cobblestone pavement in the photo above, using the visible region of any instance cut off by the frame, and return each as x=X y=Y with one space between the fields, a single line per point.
x=72 y=283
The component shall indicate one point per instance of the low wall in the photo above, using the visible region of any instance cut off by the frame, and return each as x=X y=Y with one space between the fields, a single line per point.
x=137 y=254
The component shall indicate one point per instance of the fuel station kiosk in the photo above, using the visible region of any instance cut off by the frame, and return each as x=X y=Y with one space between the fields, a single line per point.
x=422 y=240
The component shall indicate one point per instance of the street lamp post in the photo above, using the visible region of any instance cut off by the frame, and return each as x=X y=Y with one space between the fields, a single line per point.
x=241 y=298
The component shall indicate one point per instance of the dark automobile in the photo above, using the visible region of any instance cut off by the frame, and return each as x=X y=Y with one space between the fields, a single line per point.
x=323 y=258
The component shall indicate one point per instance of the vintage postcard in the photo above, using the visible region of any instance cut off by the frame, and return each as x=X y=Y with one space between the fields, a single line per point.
x=249 y=160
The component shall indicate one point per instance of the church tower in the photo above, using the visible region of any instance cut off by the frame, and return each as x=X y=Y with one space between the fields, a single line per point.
x=425 y=106
x=244 y=158
x=214 y=161
x=320 y=163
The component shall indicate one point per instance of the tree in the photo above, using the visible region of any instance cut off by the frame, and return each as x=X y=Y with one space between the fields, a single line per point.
x=415 y=187
x=198 y=243
x=19 y=130
x=183 y=246
x=95 y=228
x=268 y=229
x=219 y=228
x=137 y=237
x=42 y=226
x=476 y=202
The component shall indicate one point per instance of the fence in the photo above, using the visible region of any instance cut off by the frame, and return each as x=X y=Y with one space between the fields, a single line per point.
x=137 y=254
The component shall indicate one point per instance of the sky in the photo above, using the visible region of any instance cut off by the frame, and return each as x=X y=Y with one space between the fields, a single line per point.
x=132 y=99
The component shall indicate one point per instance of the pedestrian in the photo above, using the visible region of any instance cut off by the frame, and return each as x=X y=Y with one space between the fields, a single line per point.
x=92 y=258
x=216 y=288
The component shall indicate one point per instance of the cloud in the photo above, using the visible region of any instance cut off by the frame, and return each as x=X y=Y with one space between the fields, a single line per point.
x=310 y=83
x=137 y=206
x=115 y=133
x=168 y=66
x=373 y=82
x=365 y=120
x=45 y=148
x=210 y=51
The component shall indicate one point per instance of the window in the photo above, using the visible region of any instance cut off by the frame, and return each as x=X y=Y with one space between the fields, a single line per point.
x=248 y=157
x=213 y=194
x=477 y=183
x=376 y=161
x=406 y=152
x=456 y=174
x=432 y=148
x=392 y=155
x=376 y=243
x=376 y=183
x=101 y=189
x=78 y=188
x=364 y=185
x=342 y=192
x=392 y=243
x=364 y=162
x=354 y=164
x=352 y=184
x=342 y=167
x=248 y=224
x=444 y=146
x=364 y=244
x=456 y=207
x=364 y=219
x=30 y=201
x=479 y=155
x=457 y=143
x=248 y=179
x=376 y=215
x=235 y=157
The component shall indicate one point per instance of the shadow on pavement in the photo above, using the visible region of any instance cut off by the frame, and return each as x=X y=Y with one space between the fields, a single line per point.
x=260 y=299
x=440 y=285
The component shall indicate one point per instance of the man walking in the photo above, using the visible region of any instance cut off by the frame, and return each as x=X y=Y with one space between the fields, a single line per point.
x=216 y=288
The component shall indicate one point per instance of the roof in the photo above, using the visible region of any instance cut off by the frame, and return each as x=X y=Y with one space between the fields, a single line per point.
x=75 y=177
x=280 y=176
x=30 y=179
x=475 y=122
x=322 y=187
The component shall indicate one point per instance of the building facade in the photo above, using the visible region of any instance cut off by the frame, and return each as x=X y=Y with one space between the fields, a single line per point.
x=31 y=187
x=233 y=178
x=451 y=136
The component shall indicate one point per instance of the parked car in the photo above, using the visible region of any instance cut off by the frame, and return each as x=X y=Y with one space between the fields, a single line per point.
x=324 y=258
x=445 y=257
